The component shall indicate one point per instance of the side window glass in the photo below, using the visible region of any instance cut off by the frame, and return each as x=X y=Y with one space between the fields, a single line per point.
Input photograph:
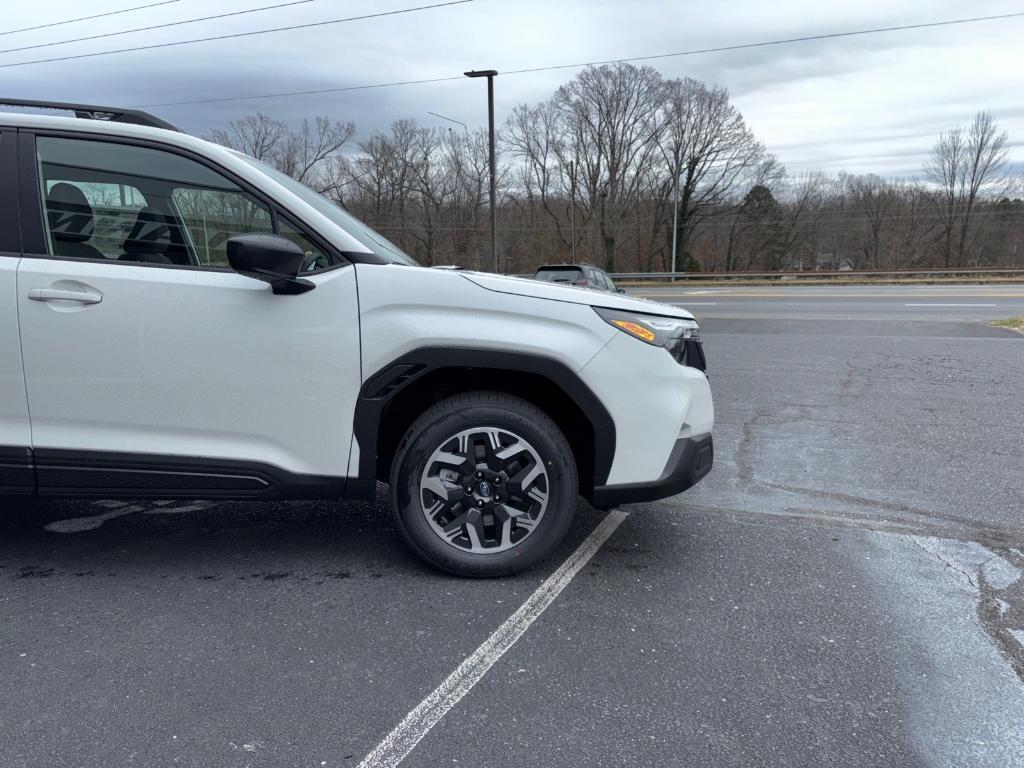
x=212 y=216
x=116 y=201
x=315 y=258
x=115 y=208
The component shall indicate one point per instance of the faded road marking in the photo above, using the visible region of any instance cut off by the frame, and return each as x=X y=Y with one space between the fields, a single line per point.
x=417 y=724
x=82 y=524
x=119 y=509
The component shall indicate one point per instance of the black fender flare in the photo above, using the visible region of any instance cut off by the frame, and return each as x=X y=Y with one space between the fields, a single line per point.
x=382 y=387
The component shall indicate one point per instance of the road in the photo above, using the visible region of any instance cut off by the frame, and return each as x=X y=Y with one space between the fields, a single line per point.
x=952 y=303
x=844 y=589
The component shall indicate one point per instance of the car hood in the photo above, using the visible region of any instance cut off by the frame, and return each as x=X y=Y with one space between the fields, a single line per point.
x=539 y=289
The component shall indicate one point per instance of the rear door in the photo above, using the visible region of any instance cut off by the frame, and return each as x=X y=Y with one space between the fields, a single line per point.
x=149 y=364
x=15 y=469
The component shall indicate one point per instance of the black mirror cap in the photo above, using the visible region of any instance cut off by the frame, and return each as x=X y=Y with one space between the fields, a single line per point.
x=264 y=253
x=271 y=258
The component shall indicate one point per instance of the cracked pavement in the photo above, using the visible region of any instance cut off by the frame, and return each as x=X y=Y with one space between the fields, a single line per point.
x=844 y=589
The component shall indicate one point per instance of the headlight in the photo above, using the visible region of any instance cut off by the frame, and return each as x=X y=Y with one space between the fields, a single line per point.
x=675 y=334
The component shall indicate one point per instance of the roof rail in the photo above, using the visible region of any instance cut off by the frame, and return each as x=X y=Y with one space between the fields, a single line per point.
x=91 y=112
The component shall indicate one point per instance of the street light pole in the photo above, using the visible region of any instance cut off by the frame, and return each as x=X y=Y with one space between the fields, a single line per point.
x=572 y=207
x=490 y=75
x=675 y=227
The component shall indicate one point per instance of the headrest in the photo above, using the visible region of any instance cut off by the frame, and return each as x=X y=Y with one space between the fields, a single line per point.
x=150 y=234
x=69 y=213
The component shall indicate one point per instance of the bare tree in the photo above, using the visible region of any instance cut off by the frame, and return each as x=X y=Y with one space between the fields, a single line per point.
x=468 y=157
x=804 y=200
x=873 y=201
x=304 y=153
x=965 y=167
x=535 y=136
x=257 y=135
x=913 y=226
x=708 y=150
x=609 y=119
x=607 y=149
x=381 y=174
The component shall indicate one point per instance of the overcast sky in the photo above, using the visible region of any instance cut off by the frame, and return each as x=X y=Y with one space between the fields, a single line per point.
x=862 y=104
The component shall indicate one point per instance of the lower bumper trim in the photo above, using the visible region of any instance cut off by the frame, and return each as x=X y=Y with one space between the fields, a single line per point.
x=690 y=460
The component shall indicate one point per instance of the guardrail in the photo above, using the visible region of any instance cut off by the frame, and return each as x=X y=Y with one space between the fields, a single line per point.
x=876 y=273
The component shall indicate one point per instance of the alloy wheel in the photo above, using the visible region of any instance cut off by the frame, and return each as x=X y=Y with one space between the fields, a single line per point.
x=484 y=490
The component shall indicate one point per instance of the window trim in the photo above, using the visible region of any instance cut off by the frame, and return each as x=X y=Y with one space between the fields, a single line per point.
x=33 y=214
x=10 y=227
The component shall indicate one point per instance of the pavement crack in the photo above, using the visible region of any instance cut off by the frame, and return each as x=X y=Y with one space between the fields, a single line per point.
x=932 y=524
x=1000 y=610
x=999 y=623
x=855 y=383
x=932 y=527
x=945 y=561
x=744 y=450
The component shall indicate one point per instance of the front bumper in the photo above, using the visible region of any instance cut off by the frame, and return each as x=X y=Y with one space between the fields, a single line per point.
x=690 y=460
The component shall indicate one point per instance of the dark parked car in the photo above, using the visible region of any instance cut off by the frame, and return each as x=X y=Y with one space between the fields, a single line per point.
x=583 y=275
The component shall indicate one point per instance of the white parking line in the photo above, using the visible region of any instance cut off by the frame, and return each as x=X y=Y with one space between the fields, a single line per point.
x=693 y=303
x=949 y=305
x=417 y=724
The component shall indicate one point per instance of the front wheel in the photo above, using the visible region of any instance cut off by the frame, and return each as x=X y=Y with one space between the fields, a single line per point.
x=484 y=484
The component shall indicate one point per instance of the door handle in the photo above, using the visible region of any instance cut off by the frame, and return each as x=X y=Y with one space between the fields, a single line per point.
x=54 y=294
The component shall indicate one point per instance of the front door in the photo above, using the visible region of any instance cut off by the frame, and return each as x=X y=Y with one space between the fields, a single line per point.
x=147 y=361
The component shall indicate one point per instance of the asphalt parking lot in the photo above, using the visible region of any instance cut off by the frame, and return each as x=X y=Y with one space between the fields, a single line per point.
x=844 y=589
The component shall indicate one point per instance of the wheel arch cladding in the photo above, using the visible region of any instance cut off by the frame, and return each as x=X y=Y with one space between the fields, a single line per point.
x=391 y=399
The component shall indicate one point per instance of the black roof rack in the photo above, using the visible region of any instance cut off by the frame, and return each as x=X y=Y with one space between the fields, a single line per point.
x=92 y=112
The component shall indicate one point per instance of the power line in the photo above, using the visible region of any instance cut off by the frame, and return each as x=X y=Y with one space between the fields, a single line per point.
x=158 y=26
x=238 y=34
x=303 y=93
x=694 y=52
x=786 y=41
x=87 y=18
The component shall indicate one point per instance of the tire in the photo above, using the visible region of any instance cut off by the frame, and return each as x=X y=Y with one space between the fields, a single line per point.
x=506 y=446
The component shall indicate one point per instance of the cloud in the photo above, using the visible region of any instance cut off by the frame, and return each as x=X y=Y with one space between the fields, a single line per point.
x=870 y=104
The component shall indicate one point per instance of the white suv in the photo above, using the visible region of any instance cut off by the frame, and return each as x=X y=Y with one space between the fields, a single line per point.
x=180 y=320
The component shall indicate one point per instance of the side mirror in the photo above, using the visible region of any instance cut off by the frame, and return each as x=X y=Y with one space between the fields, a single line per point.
x=620 y=290
x=270 y=258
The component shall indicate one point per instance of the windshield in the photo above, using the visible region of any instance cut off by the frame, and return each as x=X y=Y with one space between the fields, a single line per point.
x=373 y=240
